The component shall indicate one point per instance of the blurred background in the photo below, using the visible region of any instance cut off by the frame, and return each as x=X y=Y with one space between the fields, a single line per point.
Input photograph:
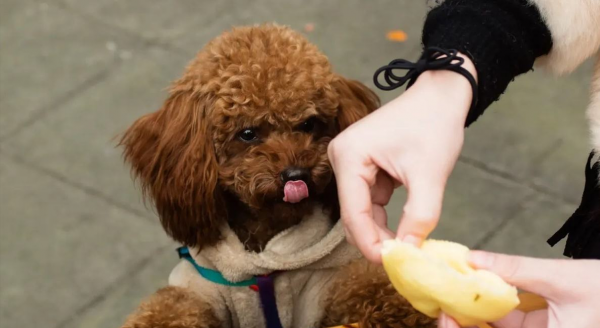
x=77 y=246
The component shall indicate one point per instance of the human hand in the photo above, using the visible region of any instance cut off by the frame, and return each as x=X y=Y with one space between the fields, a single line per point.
x=413 y=141
x=571 y=288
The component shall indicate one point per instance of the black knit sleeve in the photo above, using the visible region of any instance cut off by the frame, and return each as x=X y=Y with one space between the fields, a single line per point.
x=502 y=37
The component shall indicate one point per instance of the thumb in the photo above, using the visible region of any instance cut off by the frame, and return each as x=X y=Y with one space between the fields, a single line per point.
x=421 y=212
x=540 y=276
x=445 y=321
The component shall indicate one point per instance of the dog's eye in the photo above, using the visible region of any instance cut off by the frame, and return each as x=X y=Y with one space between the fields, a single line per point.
x=248 y=135
x=308 y=125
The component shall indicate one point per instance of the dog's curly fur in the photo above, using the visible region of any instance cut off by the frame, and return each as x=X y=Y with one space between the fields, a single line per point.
x=196 y=161
x=363 y=294
x=173 y=307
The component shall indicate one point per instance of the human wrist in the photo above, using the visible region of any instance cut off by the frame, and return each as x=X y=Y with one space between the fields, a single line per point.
x=455 y=89
x=452 y=80
x=442 y=76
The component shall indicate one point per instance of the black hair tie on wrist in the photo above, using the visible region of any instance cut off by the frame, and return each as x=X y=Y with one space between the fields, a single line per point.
x=429 y=61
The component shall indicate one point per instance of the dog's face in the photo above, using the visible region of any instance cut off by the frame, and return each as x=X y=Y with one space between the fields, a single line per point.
x=251 y=118
x=268 y=157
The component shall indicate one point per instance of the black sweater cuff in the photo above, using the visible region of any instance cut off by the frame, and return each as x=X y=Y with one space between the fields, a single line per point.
x=502 y=38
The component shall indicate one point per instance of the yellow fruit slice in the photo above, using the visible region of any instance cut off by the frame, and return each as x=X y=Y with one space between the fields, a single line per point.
x=437 y=278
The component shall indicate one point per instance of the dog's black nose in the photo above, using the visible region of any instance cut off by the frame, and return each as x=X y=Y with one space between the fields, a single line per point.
x=295 y=174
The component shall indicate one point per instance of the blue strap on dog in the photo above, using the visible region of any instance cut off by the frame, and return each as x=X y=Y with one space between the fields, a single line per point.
x=212 y=275
x=262 y=284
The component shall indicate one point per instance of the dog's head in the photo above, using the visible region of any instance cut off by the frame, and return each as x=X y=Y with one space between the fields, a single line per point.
x=251 y=118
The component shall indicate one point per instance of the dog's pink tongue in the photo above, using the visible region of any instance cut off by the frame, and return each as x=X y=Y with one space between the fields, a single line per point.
x=295 y=191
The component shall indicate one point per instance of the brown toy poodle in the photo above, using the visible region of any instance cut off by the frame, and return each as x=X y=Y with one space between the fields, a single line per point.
x=236 y=164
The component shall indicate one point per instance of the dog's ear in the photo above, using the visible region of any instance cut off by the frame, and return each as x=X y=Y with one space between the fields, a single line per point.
x=172 y=155
x=355 y=101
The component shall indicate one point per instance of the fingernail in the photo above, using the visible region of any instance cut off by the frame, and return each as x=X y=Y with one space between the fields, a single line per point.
x=377 y=257
x=412 y=240
x=443 y=321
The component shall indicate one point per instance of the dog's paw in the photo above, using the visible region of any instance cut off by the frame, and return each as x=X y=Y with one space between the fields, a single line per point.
x=363 y=294
x=173 y=307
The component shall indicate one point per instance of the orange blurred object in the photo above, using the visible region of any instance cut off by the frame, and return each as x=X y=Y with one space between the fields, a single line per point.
x=397 y=36
x=531 y=302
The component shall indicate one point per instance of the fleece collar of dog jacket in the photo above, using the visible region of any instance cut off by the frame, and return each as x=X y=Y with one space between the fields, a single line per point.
x=307 y=257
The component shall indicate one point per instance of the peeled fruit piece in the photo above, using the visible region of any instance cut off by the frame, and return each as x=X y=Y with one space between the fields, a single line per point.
x=437 y=278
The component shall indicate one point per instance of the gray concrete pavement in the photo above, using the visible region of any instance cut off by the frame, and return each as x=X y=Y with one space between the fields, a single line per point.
x=77 y=246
